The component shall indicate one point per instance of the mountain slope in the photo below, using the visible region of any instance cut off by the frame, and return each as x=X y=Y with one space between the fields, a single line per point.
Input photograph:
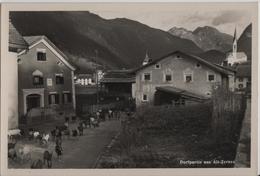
x=207 y=38
x=244 y=43
x=213 y=56
x=86 y=37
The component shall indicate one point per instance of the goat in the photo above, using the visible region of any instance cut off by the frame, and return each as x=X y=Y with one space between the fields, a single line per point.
x=45 y=139
x=37 y=164
x=12 y=154
x=80 y=128
x=25 y=153
x=58 y=150
x=66 y=133
x=14 y=133
x=47 y=157
x=75 y=133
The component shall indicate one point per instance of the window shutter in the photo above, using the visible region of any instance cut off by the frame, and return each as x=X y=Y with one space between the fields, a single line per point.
x=49 y=97
x=69 y=97
x=57 y=100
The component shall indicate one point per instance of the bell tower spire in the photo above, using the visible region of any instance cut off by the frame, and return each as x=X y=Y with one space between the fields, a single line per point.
x=235 y=43
x=147 y=59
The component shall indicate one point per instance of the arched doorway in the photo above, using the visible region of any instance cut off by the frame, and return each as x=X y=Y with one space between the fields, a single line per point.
x=33 y=101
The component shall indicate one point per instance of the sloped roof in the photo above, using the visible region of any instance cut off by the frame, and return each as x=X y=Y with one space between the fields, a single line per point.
x=181 y=92
x=210 y=65
x=244 y=70
x=31 y=40
x=16 y=41
x=213 y=56
x=118 y=76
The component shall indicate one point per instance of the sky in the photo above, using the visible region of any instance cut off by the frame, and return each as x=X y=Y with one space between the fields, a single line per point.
x=224 y=20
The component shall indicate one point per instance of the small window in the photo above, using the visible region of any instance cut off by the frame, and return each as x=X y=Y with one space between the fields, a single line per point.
x=240 y=86
x=157 y=66
x=198 y=65
x=211 y=77
x=145 y=97
x=147 y=76
x=41 y=56
x=37 y=80
x=54 y=98
x=60 y=79
x=177 y=102
x=168 y=77
x=182 y=101
x=188 y=78
x=86 y=81
x=66 y=98
x=240 y=79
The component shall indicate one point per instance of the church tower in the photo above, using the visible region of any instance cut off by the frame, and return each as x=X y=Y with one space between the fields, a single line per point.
x=235 y=45
x=147 y=59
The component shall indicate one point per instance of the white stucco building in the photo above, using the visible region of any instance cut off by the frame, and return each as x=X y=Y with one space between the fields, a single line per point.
x=16 y=44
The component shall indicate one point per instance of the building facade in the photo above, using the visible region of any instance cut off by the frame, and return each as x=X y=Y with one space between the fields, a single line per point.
x=243 y=77
x=46 y=80
x=16 y=44
x=186 y=76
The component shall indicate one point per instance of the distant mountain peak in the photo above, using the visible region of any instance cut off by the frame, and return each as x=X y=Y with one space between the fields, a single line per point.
x=206 y=37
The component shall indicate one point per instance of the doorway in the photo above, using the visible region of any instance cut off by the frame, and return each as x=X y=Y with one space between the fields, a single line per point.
x=33 y=101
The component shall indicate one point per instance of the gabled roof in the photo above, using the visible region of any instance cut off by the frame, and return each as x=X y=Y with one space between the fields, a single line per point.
x=198 y=59
x=34 y=40
x=118 y=76
x=16 y=41
x=181 y=92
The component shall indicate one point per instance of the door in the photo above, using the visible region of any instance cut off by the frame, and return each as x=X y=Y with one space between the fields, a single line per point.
x=33 y=101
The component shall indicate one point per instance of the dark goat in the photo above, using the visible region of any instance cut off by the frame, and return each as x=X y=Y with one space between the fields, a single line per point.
x=47 y=157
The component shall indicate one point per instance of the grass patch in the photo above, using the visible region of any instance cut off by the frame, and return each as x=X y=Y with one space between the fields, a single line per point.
x=163 y=137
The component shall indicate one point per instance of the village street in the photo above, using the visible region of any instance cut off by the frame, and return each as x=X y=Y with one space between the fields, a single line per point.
x=82 y=152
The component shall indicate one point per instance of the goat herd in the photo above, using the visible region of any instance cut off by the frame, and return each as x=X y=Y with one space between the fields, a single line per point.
x=45 y=141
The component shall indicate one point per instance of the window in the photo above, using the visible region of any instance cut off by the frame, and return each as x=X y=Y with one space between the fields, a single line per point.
x=41 y=56
x=198 y=65
x=145 y=97
x=240 y=79
x=66 y=98
x=168 y=77
x=188 y=78
x=54 y=98
x=157 y=66
x=240 y=86
x=37 y=80
x=179 y=102
x=211 y=77
x=86 y=81
x=59 y=79
x=182 y=101
x=147 y=76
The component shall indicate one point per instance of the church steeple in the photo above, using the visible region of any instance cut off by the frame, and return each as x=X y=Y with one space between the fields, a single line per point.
x=147 y=59
x=235 y=42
